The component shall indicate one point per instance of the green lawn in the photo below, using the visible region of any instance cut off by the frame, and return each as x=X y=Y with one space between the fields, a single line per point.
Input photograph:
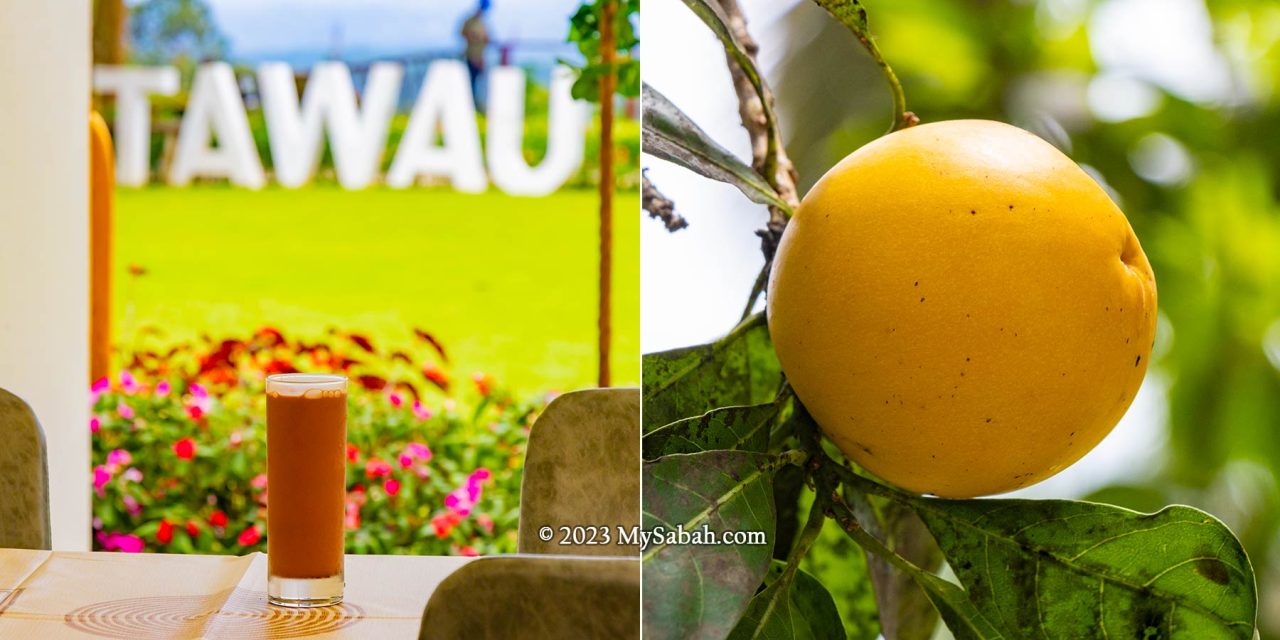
x=507 y=283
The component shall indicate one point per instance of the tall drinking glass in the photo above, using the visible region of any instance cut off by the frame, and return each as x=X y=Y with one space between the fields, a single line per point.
x=306 y=471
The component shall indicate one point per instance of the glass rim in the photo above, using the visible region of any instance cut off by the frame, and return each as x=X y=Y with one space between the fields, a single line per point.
x=323 y=381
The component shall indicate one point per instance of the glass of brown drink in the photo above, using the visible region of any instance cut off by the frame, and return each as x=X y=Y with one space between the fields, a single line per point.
x=306 y=468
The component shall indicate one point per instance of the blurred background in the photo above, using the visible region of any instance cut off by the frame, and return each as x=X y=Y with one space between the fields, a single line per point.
x=457 y=311
x=1171 y=105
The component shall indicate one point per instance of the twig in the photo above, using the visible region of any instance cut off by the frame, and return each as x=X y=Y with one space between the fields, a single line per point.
x=659 y=206
x=769 y=158
x=756 y=290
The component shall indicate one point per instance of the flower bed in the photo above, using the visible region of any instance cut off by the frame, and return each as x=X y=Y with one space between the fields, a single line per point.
x=179 y=448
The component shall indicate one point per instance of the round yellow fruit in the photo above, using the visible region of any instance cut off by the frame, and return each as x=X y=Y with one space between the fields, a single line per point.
x=962 y=309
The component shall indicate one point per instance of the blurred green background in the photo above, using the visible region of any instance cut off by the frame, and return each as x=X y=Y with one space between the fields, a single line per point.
x=507 y=283
x=1171 y=104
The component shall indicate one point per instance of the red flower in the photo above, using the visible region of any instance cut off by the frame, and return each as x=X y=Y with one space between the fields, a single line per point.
x=218 y=519
x=362 y=342
x=372 y=383
x=185 y=448
x=443 y=523
x=376 y=468
x=436 y=376
x=270 y=335
x=484 y=383
x=195 y=412
x=352 y=452
x=250 y=536
x=468 y=551
x=164 y=534
x=193 y=528
x=279 y=366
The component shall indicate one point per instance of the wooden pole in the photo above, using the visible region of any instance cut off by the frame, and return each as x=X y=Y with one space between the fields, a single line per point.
x=607 y=83
x=102 y=182
x=108 y=31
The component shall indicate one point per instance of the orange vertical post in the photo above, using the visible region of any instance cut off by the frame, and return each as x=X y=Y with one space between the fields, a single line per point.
x=607 y=84
x=102 y=182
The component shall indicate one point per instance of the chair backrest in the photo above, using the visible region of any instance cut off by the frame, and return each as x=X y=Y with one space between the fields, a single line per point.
x=539 y=597
x=24 y=477
x=582 y=468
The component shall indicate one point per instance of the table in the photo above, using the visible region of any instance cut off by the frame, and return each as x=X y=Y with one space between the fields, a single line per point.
x=62 y=594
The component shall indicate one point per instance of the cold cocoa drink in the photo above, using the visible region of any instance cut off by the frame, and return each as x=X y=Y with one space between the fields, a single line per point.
x=306 y=472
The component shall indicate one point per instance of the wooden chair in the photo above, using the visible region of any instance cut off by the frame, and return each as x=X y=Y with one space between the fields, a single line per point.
x=582 y=468
x=24 y=477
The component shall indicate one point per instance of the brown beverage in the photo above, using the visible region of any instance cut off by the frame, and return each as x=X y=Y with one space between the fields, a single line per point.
x=306 y=471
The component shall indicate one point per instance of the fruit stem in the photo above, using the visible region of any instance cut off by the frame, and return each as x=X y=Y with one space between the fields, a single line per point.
x=901 y=117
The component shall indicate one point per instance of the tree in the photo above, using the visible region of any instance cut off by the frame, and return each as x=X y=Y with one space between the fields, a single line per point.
x=179 y=32
x=604 y=34
x=729 y=447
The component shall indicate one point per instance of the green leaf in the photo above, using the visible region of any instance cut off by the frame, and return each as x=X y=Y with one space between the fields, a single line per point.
x=745 y=428
x=1064 y=569
x=906 y=611
x=840 y=565
x=700 y=591
x=738 y=369
x=711 y=15
x=961 y=616
x=671 y=135
x=849 y=13
x=799 y=609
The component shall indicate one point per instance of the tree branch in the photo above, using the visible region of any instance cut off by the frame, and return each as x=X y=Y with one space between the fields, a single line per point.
x=659 y=206
x=769 y=158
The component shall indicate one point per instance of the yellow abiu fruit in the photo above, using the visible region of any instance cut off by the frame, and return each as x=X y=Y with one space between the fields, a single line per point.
x=962 y=309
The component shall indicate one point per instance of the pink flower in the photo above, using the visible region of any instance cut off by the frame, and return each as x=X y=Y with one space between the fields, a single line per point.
x=124 y=410
x=194 y=412
x=396 y=399
x=259 y=481
x=197 y=391
x=101 y=476
x=235 y=438
x=121 y=542
x=163 y=388
x=459 y=502
x=250 y=536
x=406 y=460
x=95 y=424
x=131 y=505
x=128 y=383
x=119 y=458
x=418 y=451
x=132 y=474
x=468 y=551
x=420 y=411
x=485 y=522
x=391 y=486
x=99 y=387
x=352 y=517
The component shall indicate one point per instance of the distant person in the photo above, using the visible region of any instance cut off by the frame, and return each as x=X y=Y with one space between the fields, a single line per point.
x=476 y=35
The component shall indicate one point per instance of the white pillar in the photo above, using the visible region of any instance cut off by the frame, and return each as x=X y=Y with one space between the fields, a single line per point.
x=44 y=222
